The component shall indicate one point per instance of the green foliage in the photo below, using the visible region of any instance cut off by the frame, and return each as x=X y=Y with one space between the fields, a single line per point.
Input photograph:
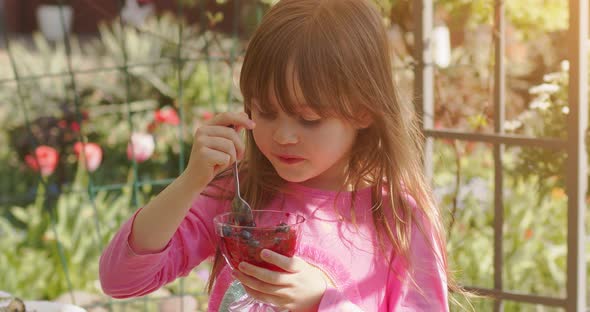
x=546 y=117
x=151 y=54
x=155 y=46
x=49 y=229
x=531 y=16
x=54 y=245
x=43 y=97
x=534 y=241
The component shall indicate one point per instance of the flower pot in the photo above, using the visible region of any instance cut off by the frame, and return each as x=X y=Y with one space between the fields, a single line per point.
x=49 y=18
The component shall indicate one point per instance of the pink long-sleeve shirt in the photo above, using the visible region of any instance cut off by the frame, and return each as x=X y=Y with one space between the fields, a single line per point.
x=349 y=254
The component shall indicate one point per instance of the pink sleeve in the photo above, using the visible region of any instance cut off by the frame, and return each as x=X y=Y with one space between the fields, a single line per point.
x=125 y=273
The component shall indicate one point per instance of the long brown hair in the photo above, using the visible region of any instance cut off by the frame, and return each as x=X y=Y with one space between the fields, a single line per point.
x=338 y=53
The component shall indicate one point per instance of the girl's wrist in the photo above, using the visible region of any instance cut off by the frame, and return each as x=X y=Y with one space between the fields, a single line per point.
x=191 y=183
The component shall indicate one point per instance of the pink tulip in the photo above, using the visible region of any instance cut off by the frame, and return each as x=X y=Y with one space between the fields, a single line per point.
x=92 y=154
x=167 y=115
x=74 y=126
x=141 y=147
x=62 y=124
x=45 y=157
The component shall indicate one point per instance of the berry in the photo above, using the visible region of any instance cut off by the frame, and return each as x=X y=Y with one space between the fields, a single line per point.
x=282 y=228
x=245 y=234
x=253 y=243
x=226 y=230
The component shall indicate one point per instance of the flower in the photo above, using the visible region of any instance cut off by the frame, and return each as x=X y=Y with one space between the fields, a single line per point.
x=528 y=234
x=544 y=88
x=540 y=104
x=552 y=77
x=92 y=154
x=558 y=193
x=141 y=146
x=74 y=126
x=167 y=115
x=206 y=115
x=45 y=158
x=512 y=125
x=62 y=124
x=564 y=65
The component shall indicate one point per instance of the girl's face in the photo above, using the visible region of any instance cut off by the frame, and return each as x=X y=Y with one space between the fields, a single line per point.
x=304 y=148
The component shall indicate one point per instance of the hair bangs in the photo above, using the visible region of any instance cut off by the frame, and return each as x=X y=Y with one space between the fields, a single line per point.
x=298 y=70
x=319 y=80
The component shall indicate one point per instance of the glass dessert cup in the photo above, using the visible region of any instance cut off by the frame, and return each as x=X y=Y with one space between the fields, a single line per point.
x=275 y=230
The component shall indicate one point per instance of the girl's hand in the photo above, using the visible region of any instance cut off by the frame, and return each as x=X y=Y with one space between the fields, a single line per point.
x=300 y=289
x=216 y=146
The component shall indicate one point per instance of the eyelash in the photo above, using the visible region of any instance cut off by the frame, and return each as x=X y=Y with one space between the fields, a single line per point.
x=310 y=123
x=303 y=121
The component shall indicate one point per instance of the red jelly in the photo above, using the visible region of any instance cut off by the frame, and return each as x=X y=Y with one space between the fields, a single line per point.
x=275 y=230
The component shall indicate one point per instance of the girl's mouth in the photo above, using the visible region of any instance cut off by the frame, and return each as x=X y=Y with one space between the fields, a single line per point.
x=289 y=160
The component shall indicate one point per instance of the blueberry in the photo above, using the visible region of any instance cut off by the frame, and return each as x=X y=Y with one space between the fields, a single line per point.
x=282 y=228
x=245 y=234
x=253 y=243
x=226 y=230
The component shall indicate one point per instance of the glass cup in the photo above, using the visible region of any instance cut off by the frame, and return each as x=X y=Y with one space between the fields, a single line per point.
x=275 y=230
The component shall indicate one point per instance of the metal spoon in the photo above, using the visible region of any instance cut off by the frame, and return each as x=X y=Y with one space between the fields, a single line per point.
x=240 y=208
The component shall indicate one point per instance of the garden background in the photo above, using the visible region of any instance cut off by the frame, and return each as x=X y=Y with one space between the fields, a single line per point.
x=134 y=90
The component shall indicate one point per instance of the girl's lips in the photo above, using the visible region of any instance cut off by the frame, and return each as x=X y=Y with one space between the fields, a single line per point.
x=290 y=160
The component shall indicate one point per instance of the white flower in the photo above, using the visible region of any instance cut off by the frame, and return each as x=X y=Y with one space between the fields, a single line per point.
x=565 y=65
x=540 y=104
x=526 y=115
x=552 y=77
x=141 y=146
x=511 y=125
x=544 y=88
x=565 y=110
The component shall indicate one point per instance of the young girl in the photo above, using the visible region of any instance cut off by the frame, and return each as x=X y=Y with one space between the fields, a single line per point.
x=326 y=137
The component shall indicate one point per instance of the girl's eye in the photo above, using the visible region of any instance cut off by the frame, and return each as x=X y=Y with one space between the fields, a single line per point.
x=310 y=122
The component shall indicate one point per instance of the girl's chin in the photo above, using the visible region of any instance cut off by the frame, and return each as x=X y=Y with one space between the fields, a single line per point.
x=293 y=177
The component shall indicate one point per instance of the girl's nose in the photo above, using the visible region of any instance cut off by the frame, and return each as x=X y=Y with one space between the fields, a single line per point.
x=284 y=135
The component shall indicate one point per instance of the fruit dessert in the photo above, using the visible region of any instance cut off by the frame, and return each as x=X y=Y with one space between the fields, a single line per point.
x=274 y=230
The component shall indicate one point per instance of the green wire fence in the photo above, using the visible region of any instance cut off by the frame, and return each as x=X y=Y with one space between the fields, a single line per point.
x=46 y=193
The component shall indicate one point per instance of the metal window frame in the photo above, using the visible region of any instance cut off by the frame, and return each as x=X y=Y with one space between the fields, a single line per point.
x=574 y=145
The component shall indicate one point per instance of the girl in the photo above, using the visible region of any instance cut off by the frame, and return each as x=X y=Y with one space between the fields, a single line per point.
x=326 y=137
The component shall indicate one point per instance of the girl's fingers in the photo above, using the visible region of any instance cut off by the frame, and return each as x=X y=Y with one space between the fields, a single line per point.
x=265 y=275
x=217 y=158
x=257 y=284
x=222 y=145
x=289 y=264
x=260 y=296
x=223 y=132
x=236 y=119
